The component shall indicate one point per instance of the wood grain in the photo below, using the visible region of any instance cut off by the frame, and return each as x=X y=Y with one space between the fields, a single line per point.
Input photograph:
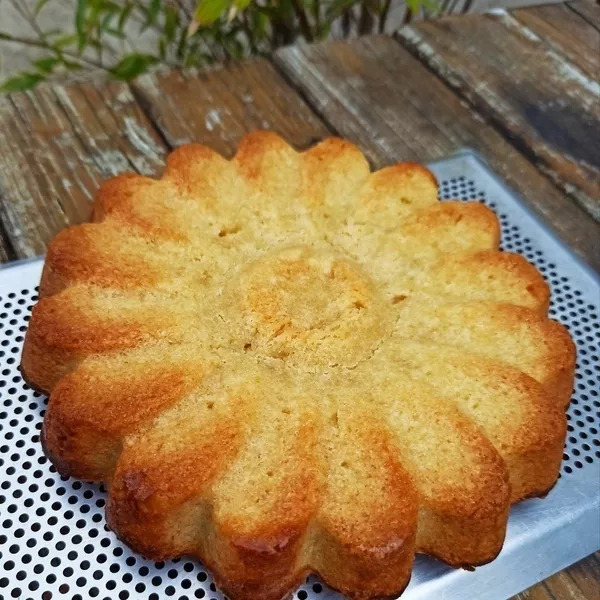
x=546 y=104
x=589 y=10
x=586 y=575
x=5 y=251
x=58 y=144
x=565 y=31
x=377 y=94
x=218 y=106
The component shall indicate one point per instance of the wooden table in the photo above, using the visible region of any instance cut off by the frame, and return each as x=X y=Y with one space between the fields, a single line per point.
x=520 y=88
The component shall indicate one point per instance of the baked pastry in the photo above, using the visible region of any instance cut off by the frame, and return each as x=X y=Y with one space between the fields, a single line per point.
x=285 y=363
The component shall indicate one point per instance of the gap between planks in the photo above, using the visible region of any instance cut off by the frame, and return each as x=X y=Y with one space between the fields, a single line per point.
x=377 y=94
x=531 y=92
x=567 y=32
x=7 y=253
x=588 y=10
x=216 y=107
x=62 y=141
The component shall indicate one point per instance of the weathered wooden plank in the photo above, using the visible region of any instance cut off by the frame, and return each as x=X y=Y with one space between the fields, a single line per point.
x=58 y=144
x=481 y=6
x=5 y=251
x=218 y=106
x=543 y=102
x=112 y=128
x=375 y=93
x=579 y=582
x=586 y=575
x=566 y=32
x=561 y=585
x=537 y=592
x=589 y=10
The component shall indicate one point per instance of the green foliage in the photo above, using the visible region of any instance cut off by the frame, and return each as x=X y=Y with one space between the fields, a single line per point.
x=208 y=11
x=133 y=65
x=109 y=34
x=21 y=82
x=46 y=65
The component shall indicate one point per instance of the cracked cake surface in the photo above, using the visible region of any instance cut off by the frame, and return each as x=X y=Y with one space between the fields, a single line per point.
x=285 y=363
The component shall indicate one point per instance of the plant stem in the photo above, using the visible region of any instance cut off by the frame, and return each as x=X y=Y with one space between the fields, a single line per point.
x=384 y=15
x=303 y=19
x=467 y=7
x=23 y=9
x=318 y=17
x=46 y=46
x=249 y=33
x=346 y=23
x=365 y=24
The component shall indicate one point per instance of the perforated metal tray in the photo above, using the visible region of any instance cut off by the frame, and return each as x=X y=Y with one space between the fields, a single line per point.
x=53 y=541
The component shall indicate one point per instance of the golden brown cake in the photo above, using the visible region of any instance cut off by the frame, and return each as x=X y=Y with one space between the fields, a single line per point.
x=285 y=363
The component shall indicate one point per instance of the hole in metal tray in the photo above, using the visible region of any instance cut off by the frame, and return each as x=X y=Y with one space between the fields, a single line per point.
x=567 y=306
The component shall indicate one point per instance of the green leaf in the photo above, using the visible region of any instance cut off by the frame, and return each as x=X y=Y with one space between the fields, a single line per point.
x=234 y=47
x=431 y=5
x=100 y=9
x=416 y=5
x=181 y=44
x=240 y=5
x=116 y=33
x=124 y=16
x=171 y=22
x=65 y=40
x=52 y=32
x=46 y=65
x=39 y=6
x=102 y=6
x=162 y=49
x=105 y=24
x=80 y=13
x=72 y=66
x=208 y=11
x=22 y=82
x=150 y=13
x=323 y=33
x=153 y=11
x=260 y=24
x=133 y=65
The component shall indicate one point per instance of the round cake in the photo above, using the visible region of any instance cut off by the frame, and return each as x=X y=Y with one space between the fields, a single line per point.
x=285 y=363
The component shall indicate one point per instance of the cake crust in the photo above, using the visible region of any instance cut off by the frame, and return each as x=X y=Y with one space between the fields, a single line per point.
x=284 y=364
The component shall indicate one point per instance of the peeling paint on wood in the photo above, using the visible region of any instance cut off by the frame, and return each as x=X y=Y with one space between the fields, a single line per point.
x=58 y=144
x=377 y=94
x=567 y=33
x=545 y=103
x=217 y=107
x=6 y=253
x=560 y=60
x=140 y=139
